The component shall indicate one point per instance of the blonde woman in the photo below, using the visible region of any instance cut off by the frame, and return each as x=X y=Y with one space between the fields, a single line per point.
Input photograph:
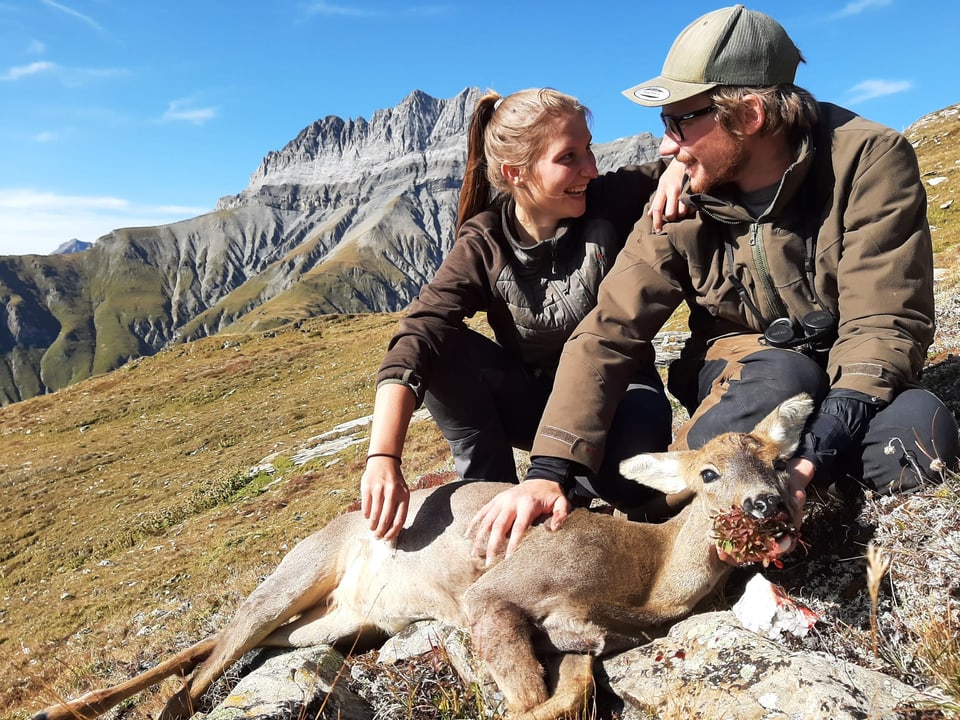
x=538 y=231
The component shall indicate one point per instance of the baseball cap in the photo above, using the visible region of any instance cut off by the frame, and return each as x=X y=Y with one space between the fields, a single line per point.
x=730 y=46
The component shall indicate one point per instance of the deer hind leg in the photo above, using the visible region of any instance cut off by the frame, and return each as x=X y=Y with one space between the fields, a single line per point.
x=302 y=581
x=573 y=692
x=502 y=636
x=323 y=626
x=97 y=702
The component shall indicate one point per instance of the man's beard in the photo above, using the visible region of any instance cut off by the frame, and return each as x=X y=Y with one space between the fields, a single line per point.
x=726 y=168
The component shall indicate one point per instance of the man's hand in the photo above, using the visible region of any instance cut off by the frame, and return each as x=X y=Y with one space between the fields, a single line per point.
x=513 y=511
x=801 y=475
x=384 y=497
x=665 y=203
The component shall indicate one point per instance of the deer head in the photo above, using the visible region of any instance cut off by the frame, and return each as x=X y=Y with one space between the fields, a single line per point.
x=733 y=469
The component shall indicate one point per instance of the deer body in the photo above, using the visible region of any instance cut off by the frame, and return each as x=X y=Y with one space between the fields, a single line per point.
x=592 y=586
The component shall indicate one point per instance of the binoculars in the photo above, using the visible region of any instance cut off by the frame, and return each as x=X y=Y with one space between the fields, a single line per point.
x=817 y=331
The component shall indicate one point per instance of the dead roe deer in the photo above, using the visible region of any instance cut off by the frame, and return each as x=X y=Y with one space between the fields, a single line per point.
x=589 y=588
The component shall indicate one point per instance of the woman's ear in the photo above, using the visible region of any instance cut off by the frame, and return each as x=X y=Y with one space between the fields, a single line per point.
x=514 y=174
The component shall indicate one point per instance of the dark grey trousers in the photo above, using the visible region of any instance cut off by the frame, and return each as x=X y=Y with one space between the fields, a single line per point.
x=486 y=402
x=741 y=382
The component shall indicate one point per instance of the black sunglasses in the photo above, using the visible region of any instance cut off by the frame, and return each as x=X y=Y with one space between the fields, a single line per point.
x=673 y=122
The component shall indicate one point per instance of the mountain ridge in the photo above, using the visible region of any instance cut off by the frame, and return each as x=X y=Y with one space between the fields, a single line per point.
x=350 y=216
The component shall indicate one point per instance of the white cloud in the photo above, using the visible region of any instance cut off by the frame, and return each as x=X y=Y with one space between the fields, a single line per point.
x=179 y=111
x=327 y=8
x=25 y=199
x=37 y=222
x=22 y=71
x=70 y=77
x=46 y=136
x=870 y=89
x=855 y=7
x=74 y=13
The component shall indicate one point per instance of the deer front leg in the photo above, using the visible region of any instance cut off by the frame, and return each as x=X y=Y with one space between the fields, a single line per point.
x=501 y=635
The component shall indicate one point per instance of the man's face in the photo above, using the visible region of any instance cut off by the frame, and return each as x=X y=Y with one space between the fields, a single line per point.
x=711 y=155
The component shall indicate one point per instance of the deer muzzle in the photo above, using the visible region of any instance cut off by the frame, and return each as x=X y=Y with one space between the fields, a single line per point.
x=763 y=506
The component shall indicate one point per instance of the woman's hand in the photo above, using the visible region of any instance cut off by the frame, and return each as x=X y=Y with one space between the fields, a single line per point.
x=513 y=511
x=665 y=203
x=384 y=496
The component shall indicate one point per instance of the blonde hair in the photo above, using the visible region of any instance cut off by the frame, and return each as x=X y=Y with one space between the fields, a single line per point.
x=511 y=130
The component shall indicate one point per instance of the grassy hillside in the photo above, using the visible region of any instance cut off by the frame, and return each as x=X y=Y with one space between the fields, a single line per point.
x=132 y=522
x=130 y=505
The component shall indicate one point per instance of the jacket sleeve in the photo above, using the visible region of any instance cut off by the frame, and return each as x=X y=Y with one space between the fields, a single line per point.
x=622 y=195
x=460 y=289
x=607 y=348
x=885 y=273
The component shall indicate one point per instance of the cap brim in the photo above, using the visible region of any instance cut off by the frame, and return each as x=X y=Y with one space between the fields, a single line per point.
x=663 y=91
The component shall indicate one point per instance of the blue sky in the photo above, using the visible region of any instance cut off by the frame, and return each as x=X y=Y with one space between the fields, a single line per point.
x=118 y=113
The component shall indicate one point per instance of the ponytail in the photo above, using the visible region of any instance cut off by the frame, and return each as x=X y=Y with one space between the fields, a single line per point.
x=476 y=190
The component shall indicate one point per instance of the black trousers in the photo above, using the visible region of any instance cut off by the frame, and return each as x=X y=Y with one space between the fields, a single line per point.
x=486 y=402
x=741 y=381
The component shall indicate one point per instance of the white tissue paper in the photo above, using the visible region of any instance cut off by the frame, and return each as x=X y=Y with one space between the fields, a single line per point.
x=766 y=609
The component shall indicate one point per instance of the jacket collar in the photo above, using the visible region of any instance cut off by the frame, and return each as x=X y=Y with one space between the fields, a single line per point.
x=531 y=255
x=724 y=205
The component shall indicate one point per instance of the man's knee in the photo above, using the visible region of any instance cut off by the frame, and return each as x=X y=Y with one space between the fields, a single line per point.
x=912 y=440
x=748 y=390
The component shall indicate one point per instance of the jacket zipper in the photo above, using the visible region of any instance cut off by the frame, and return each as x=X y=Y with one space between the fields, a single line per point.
x=763 y=271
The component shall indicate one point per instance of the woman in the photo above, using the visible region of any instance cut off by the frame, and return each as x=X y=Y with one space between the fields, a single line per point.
x=532 y=259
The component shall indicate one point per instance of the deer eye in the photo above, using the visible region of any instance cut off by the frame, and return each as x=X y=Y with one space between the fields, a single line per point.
x=779 y=464
x=709 y=475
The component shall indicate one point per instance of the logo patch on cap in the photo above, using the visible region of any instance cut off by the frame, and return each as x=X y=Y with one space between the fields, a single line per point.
x=652 y=93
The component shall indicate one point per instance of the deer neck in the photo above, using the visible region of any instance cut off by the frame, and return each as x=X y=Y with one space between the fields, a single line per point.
x=691 y=568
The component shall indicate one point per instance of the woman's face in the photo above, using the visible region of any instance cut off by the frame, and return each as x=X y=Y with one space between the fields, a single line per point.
x=554 y=187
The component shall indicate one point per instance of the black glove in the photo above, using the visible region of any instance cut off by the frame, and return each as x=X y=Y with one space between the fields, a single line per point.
x=840 y=422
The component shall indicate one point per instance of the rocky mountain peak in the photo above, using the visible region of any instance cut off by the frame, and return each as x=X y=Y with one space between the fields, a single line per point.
x=334 y=150
x=72 y=246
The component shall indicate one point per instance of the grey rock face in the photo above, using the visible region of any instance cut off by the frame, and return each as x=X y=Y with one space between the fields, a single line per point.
x=298 y=683
x=710 y=666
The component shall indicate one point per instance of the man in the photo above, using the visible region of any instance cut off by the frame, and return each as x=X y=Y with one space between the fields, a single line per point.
x=807 y=267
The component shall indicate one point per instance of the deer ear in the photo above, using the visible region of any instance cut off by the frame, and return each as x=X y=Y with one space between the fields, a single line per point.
x=660 y=471
x=784 y=425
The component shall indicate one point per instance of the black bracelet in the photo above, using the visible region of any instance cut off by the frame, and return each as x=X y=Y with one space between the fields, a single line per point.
x=389 y=455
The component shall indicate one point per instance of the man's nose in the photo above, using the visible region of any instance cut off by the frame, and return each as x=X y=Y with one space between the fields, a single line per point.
x=668 y=146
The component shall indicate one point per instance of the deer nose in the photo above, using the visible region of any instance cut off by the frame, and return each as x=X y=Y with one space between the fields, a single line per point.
x=763 y=506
